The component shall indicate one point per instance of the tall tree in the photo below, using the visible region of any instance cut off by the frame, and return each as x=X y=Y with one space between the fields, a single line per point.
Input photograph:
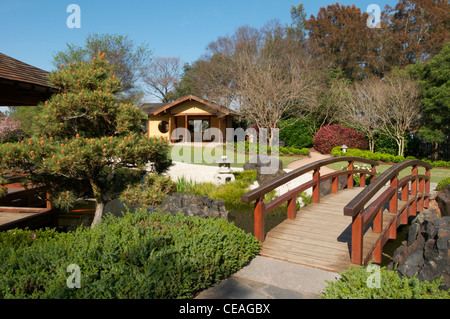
x=340 y=34
x=400 y=111
x=297 y=28
x=261 y=73
x=186 y=86
x=434 y=79
x=130 y=61
x=163 y=76
x=415 y=31
x=359 y=105
x=88 y=145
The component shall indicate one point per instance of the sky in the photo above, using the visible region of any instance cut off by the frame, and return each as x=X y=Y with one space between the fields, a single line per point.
x=32 y=31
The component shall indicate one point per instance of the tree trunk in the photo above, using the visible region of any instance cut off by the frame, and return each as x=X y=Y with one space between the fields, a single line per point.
x=98 y=213
x=100 y=205
x=434 y=151
x=371 y=144
x=401 y=146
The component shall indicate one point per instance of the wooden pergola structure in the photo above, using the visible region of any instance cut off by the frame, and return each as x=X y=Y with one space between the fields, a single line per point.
x=22 y=84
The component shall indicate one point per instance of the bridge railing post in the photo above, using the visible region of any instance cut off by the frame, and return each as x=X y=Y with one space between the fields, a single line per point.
x=316 y=187
x=350 y=175
x=427 y=188
x=374 y=172
x=421 y=193
x=406 y=211
x=357 y=239
x=414 y=172
x=393 y=207
x=292 y=208
x=259 y=228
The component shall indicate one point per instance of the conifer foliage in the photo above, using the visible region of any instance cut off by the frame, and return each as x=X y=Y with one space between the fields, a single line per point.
x=88 y=145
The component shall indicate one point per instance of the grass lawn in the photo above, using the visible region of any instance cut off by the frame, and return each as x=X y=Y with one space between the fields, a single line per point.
x=207 y=156
x=437 y=174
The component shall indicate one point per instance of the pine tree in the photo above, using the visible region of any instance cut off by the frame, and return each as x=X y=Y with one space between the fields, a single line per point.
x=87 y=144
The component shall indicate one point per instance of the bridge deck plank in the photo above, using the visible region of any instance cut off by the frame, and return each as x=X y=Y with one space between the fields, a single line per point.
x=320 y=235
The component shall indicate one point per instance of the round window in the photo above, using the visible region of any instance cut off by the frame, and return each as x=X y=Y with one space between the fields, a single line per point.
x=163 y=127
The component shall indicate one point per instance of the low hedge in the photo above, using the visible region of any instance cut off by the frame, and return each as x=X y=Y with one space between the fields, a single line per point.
x=244 y=147
x=383 y=157
x=441 y=185
x=293 y=151
x=353 y=284
x=138 y=255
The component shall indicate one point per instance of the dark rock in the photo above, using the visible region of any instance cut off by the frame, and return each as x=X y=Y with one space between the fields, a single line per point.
x=326 y=186
x=443 y=201
x=426 y=252
x=193 y=205
x=413 y=232
x=267 y=168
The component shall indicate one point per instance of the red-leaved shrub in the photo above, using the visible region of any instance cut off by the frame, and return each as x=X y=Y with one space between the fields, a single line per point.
x=335 y=135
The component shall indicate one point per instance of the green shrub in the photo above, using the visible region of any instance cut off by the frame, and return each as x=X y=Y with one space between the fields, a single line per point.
x=249 y=176
x=353 y=284
x=440 y=164
x=141 y=255
x=441 y=185
x=337 y=151
x=304 y=151
x=296 y=135
x=149 y=193
x=398 y=159
x=230 y=192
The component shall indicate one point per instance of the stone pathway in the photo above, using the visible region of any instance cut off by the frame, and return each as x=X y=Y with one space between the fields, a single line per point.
x=267 y=278
x=313 y=157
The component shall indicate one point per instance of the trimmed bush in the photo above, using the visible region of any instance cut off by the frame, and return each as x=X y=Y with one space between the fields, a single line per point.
x=297 y=135
x=331 y=136
x=141 y=255
x=387 y=158
x=443 y=183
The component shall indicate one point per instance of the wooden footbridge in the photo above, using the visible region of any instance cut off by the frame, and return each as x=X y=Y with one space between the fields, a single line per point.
x=348 y=227
x=25 y=208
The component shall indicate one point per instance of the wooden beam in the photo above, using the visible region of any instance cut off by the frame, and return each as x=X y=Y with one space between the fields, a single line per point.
x=194 y=114
x=186 y=128
x=259 y=231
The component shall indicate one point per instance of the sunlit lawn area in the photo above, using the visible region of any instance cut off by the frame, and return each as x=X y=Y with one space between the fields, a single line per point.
x=207 y=156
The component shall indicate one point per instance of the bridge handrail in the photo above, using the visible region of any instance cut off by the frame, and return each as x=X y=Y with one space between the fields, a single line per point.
x=261 y=209
x=363 y=216
x=262 y=190
x=359 y=202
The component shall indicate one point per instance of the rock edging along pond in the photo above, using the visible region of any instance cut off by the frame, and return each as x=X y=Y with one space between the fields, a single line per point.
x=194 y=205
x=426 y=250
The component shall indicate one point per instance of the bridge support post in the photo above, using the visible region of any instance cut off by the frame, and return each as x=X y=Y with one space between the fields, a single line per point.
x=259 y=231
x=350 y=175
x=316 y=187
x=357 y=239
x=407 y=210
x=414 y=191
x=378 y=252
x=334 y=185
x=427 y=188
x=378 y=222
x=421 y=193
x=374 y=172
x=292 y=208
